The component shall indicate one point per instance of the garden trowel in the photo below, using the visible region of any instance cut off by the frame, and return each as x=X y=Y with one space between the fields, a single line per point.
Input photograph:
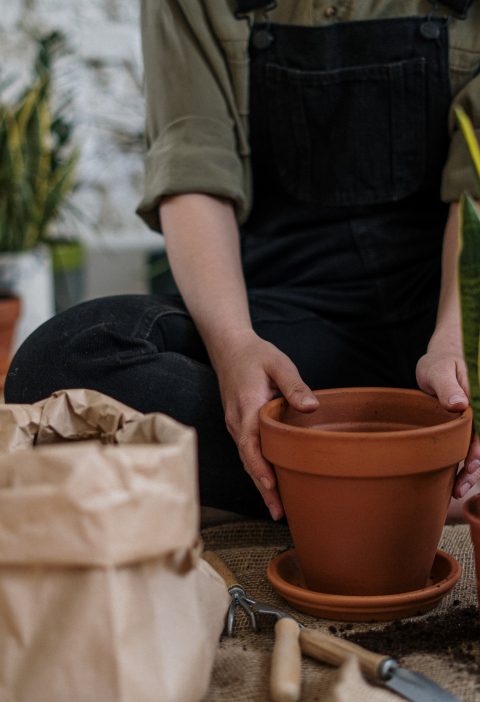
x=378 y=668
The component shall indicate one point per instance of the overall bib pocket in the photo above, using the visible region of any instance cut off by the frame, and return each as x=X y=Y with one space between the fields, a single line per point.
x=349 y=136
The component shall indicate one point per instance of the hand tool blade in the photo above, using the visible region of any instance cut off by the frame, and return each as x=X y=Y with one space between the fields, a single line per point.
x=417 y=688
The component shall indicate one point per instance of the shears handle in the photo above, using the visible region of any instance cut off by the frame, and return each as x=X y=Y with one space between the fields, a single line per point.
x=221 y=568
x=334 y=650
x=286 y=668
x=285 y=672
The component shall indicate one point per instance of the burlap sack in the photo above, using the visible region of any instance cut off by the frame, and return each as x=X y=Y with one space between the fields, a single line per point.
x=443 y=644
x=103 y=596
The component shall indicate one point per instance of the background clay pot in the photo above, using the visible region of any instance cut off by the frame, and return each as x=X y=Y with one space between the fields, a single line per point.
x=365 y=481
x=471 y=510
x=9 y=314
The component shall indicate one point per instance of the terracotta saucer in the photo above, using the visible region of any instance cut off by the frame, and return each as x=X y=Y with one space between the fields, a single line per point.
x=285 y=576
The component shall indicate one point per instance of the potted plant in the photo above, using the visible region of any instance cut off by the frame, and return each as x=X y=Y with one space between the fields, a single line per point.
x=469 y=283
x=9 y=314
x=37 y=171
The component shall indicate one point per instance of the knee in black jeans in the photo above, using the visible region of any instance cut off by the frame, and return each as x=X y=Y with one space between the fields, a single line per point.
x=145 y=352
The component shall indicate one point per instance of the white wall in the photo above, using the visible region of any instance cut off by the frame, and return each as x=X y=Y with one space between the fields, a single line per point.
x=104 y=74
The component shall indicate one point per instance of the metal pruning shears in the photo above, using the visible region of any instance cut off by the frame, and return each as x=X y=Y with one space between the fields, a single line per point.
x=286 y=667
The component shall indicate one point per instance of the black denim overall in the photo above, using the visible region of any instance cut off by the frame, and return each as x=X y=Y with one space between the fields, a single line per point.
x=341 y=252
x=349 y=136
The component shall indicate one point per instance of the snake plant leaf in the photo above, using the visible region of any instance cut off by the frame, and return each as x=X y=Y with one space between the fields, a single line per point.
x=469 y=280
x=58 y=188
x=469 y=136
x=25 y=109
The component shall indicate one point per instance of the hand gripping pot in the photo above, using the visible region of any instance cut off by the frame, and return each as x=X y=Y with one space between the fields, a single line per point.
x=103 y=595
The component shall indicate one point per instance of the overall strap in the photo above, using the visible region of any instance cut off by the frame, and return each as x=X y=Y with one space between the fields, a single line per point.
x=246 y=6
x=460 y=7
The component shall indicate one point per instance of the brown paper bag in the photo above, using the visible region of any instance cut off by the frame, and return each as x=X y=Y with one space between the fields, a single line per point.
x=103 y=595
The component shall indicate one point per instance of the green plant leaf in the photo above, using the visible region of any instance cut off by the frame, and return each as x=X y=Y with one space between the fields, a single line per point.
x=25 y=109
x=469 y=279
x=58 y=187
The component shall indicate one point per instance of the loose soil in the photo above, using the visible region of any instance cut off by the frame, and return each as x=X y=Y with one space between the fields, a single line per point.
x=455 y=635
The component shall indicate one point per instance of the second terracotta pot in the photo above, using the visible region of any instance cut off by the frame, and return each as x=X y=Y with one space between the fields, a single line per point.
x=9 y=314
x=365 y=481
x=471 y=510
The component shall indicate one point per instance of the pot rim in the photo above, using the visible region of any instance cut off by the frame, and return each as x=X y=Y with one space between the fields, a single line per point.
x=324 y=452
x=7 y=295
x=269 y=421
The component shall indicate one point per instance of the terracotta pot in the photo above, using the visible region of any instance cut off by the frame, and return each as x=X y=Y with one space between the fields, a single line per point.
x=28 y=275
x=365 y=481
x=471 y=510
x=9 y=314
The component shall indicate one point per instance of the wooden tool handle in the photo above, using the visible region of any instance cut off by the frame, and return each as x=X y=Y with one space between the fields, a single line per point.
x=221 y=568
x=335 y=651
x=286 y=670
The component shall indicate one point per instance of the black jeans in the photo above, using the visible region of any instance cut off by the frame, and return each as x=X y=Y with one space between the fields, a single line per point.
x=146 y=352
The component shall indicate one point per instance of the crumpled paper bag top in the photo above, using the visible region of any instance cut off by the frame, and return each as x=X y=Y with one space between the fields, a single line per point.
x=75 y=415
x=86 y=480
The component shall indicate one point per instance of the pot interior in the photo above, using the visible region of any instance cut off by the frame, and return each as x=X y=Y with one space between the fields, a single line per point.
x=367 y=410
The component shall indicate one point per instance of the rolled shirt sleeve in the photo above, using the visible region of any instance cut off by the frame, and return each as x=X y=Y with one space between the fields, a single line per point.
x=190 y=133
x=196 y=130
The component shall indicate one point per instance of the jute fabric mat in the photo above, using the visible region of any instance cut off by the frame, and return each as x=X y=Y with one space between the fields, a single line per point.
x=443 y=644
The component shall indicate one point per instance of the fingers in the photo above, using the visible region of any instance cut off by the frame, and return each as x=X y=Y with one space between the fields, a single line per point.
x=261 y=371
x=470 y=473
x=445 y=376
x=245 y=430
x=467 y=478
x=261 y=473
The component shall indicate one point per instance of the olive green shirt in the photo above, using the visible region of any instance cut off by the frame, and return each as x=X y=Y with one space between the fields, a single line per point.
x=196 y=82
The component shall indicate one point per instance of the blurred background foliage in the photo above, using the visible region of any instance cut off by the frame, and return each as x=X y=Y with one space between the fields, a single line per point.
x=469 y=272
x=37 y=159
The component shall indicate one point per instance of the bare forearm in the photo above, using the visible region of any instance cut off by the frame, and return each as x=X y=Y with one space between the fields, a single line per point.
x=447 y=335
x=203 y=247
x=442 y=371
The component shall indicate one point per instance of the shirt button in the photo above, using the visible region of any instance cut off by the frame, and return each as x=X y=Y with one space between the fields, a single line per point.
x=330 y=11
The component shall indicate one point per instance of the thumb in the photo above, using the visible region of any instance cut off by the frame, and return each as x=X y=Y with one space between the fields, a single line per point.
x=296 y=392
x=451 y=395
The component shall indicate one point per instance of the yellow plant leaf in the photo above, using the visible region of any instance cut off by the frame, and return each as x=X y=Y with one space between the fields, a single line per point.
x=13 y=144
x=469 y=135
x=29 y=102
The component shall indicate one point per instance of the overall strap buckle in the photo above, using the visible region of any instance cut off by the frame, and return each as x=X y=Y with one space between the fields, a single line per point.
x=430 y=29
